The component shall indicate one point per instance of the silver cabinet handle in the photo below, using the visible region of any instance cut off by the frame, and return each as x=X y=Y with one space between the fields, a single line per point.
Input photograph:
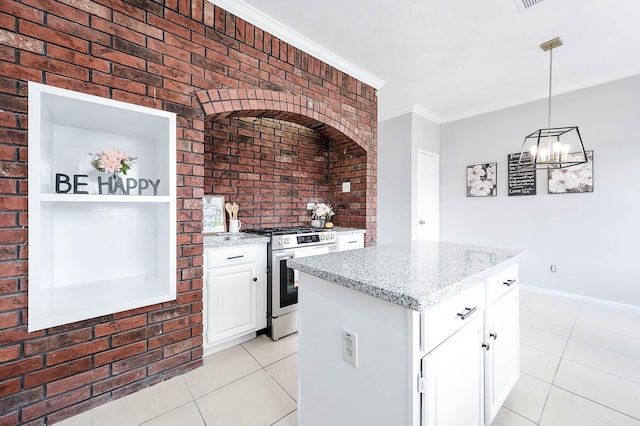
x=494 y=336
x=467 y=311
x=235 y=257
x=509 y=283
x=486 y=346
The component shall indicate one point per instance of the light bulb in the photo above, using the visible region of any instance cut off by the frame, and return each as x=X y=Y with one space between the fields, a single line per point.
x=533 y=151
x=543 y=154
x=565 y=152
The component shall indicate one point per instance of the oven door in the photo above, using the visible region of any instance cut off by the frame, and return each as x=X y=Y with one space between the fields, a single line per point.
x=284 y=294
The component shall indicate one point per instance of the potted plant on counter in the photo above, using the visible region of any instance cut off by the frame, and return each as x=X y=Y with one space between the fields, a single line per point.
x=321 y=213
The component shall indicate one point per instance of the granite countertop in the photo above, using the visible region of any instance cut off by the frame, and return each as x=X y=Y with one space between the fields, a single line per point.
x=347 y=229
x=416 y=275
x=227 y=239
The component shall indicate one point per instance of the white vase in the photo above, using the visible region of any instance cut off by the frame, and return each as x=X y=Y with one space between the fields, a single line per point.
x=316 y=223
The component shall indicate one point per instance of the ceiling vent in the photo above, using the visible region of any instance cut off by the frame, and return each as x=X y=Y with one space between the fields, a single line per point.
x=523 y=5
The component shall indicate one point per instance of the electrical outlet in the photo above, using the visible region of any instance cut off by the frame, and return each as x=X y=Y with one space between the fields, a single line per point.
x=350 y=347
x=310 y=206
x=553 y=268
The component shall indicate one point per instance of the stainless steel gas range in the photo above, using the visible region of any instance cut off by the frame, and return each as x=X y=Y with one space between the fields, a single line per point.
x=282 y=282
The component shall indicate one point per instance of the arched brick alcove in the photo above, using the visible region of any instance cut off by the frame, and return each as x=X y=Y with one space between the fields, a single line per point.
x=351 y=149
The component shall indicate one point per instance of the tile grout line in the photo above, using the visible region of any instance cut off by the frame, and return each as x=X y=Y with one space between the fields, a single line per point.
x=544 y=406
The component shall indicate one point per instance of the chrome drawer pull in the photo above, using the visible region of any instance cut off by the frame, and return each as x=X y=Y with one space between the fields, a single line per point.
x=235 y=257
x=467 y=311
x=486 y=346
x=509 y=283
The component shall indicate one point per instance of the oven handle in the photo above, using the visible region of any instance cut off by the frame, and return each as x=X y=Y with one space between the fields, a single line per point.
x=311 y=251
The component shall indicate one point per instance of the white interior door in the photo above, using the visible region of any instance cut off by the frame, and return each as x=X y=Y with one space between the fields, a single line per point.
x=427 y=220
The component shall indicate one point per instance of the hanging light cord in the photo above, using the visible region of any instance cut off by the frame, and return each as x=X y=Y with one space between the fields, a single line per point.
x=550 y=74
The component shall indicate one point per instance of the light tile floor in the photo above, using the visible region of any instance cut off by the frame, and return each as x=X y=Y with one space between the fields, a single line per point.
x=580 y=365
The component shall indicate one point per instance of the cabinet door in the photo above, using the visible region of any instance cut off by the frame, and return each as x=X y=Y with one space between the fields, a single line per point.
x=231 y=301
x=502 y=365
x=453 y=374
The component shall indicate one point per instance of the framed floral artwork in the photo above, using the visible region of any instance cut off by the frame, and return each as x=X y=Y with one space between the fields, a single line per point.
x=213 y=219
x=574 y=179
x=481 y=180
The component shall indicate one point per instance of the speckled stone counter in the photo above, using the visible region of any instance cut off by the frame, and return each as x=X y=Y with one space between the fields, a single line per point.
x=229 y=240
x=415 y=275
x=347 y=230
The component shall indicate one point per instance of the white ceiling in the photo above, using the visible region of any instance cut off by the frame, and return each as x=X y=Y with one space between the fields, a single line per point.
x=450 y=59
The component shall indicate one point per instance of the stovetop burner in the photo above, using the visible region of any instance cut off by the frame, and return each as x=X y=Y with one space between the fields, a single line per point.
x=286 y=230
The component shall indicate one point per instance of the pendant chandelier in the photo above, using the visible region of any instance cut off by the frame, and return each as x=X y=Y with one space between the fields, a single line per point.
x=553 y=147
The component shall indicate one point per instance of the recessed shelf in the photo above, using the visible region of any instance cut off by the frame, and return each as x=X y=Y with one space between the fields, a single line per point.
x=93 y=253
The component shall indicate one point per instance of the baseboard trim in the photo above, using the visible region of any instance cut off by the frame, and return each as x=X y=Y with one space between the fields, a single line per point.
x=577 y=297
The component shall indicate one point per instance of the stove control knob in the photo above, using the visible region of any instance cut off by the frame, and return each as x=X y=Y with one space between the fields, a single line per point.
x=286 y=241
x=279 y=242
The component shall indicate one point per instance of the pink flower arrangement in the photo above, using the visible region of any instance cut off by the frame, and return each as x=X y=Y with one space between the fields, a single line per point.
x=322 y=211
x=112 y=160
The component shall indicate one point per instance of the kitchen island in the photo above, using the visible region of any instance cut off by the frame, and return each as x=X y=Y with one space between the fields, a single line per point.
x=423 y=333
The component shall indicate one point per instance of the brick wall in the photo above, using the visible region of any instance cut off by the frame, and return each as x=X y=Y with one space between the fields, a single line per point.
x=157 y=54
x=273 y=168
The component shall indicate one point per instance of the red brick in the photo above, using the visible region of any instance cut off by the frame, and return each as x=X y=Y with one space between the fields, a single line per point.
x=77 y=58
x=120 y=325
x=48 y=375
x=120 y=353
x=55 y=403
x=17 y=368
x=9 y=353
x=137 y=26
x=52 y=36
x=21 y=42
x=77 y=351
x=9 y=387
x=57 y=341
x=54 y=66
x=8 y=319
x=117 y=30
x=78 y=380
x=119 y=380
x=22 y=11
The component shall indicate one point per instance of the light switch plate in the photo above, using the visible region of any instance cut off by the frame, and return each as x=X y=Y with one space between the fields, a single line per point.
x=310 y=206
x=346 y=186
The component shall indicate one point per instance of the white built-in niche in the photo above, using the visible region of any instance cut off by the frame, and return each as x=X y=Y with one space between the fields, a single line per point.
x=92 y=252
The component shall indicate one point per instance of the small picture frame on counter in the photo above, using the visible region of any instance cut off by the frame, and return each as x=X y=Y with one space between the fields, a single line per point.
x=213 y=218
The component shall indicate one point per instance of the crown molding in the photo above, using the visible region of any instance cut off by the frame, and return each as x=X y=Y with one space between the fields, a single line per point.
x=278 y=29
x=413 y=109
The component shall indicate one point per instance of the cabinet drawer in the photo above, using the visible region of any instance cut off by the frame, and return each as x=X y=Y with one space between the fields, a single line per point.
x=217 y=257
x=445 y=319
x=351 y=241
x=501 y=282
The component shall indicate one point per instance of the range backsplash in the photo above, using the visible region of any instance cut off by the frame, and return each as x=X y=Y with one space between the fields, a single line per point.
x=273 y=168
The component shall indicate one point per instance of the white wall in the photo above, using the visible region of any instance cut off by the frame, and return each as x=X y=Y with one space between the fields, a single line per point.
x=592 y=238
x=394 y=180
x=399 y=140
x=425 y=135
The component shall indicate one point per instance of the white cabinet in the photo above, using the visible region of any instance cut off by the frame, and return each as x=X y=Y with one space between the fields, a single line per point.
x=96 y=248
x=452 y=364
x=350 y=240
x=502 y=366
x=234 y=294
x=453 y=379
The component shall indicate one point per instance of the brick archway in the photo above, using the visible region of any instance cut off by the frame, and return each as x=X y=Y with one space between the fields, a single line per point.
x=352 y=151
x=299 y=109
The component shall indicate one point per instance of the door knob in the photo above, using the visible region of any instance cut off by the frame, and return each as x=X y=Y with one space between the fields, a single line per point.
x=255 y=279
